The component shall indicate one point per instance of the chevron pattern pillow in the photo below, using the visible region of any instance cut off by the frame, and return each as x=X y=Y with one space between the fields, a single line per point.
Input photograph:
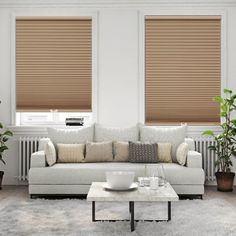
x=143 y=152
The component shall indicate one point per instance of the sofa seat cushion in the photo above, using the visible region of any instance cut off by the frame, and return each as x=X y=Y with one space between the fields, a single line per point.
x=81 y=173
x=177 y=174
x=86 y=173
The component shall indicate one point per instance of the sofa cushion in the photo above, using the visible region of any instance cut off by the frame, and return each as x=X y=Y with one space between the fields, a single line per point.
x=173 y=135
x=70 y=153
x=121 y=151
x=143 y=152
x=69 y=136
x=86 y=173
x=104 y=133
x=164 y=152
x=50 y=153
x=181 y=153
x=98 y=152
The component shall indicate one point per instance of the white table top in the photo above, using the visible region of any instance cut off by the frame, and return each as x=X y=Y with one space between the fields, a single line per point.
x=141 y=194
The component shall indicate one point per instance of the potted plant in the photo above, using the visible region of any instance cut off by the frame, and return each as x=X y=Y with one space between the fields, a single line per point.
x=225 y=142
x=4 y=136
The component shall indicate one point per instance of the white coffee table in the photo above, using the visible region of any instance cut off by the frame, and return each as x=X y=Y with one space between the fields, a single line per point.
x=163 y=194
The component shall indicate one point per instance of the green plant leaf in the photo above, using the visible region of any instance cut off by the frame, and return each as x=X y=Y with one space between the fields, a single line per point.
x=4 y=139
x=208 y=132
x=219 y=99
x=212 y=148
x=8 y=133
x=223 y=114
x=233 y=96
x=234 y=153
x=233 y=121
x=223 y=108
x=3 y=148
x=2 y=161
x=1 y=126
x=227 y=91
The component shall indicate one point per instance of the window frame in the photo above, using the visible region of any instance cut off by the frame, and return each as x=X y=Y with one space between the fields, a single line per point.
x=141 y=83
x=64 y=13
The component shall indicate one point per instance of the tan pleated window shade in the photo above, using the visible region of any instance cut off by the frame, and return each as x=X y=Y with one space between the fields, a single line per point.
x=53 y=63
x=182 y=69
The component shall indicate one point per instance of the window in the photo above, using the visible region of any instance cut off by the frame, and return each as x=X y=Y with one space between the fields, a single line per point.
x=53 y=68
x=182 y=69
x=50 y=118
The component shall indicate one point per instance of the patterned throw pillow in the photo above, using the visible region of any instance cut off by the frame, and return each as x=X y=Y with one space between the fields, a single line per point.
x=164 y=152
x=143 y=152
x=98 y=152
x=121 y=151
x=181 y=153
x=50 y=153
x=70 y=153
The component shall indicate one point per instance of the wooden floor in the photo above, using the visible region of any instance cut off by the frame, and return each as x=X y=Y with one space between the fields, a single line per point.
x=11 y=194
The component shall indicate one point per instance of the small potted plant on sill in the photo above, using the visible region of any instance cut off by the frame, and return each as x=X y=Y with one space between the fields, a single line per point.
x=4 y=136
x=225 y=142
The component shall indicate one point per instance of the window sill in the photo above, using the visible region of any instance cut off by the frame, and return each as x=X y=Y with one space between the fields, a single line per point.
x=42 y=130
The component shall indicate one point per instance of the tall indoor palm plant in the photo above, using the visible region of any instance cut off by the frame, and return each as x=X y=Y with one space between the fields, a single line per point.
x=225 y=142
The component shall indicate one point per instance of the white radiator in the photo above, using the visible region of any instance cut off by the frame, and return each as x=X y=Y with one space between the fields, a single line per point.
x=28 y=145
x=208 y=156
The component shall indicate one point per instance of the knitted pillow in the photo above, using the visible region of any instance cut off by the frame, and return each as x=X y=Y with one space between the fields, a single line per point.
x=143 y=152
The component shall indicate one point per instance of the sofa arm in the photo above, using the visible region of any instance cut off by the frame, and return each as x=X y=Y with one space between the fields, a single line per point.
x=38 y=159
x=194 y=159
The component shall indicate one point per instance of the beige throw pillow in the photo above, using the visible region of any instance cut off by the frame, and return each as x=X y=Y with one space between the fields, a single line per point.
x=181 y=153
x=70 y=153
x=50 y=152
x=121 y=151
x=164 y=152
x=98 y=152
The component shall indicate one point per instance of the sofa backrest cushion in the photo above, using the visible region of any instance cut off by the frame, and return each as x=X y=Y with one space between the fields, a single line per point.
x=70 y=136
x=70 y=153
x=98 y=152
x=173 y=135
x=104 y=133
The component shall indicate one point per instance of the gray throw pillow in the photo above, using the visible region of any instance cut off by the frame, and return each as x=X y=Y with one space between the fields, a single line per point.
x=143 y=152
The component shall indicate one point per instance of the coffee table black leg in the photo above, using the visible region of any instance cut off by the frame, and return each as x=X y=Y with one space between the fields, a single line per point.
x=169 y=211
x=93 y=211
x=131 y=207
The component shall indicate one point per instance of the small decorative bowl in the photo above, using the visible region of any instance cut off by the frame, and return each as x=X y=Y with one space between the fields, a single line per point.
x=119 y=179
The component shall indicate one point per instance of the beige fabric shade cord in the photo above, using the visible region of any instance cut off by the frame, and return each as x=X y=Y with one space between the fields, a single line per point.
x=53 y=63
x=182 y=69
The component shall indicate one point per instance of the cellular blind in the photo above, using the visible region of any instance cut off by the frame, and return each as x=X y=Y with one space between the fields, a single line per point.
x=182 y=68
x=53 y=63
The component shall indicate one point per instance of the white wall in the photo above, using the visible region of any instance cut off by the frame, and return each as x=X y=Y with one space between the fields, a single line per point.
x=118 y=59
x=118 y=67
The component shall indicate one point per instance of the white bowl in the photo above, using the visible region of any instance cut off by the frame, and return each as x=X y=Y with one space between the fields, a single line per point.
x=119 y=179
